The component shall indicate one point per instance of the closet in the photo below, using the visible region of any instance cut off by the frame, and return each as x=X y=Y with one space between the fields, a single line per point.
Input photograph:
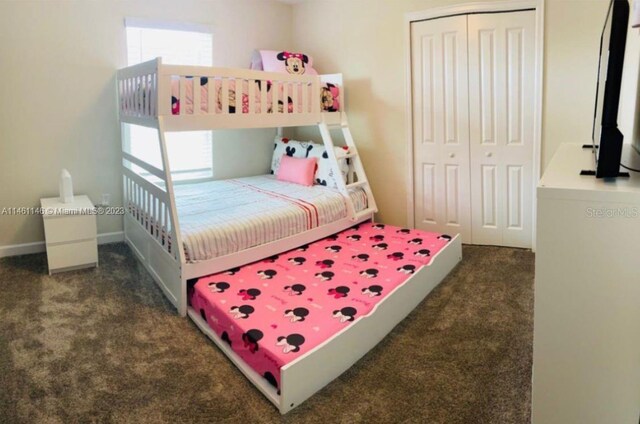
x=473 y=115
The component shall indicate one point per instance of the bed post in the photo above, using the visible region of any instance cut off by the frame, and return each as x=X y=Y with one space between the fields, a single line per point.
x=175 y=225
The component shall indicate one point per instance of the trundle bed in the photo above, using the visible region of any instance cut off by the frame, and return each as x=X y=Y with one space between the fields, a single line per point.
x=294 y=322
x=346 y=281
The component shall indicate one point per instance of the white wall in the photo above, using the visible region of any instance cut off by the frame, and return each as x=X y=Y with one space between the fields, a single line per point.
x=58 y=61
x=57 y=66
x=628 y=122
x=364 y=39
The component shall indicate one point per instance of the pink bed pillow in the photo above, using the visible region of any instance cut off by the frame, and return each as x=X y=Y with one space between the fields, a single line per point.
x=297 y=170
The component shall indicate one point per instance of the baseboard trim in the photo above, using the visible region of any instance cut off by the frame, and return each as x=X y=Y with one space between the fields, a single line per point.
x=21 y=249
x=39 y=247
x=115 y=237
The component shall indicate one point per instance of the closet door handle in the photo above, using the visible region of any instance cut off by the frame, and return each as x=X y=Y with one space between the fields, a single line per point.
x=488 y=154
x=452 y=155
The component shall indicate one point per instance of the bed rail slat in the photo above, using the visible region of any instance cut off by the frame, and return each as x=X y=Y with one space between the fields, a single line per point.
x=285 y=98
x=212 y=104
x=183 y=96
x=224 y=92
x=263 y=96
x=295 y=87
x=157 y=221
x=130 y=96
x=140 y=91
x=147 y=209
x=145 y=95
x=143 y=208
x=125 y=96
x=251 y=96
x=154 y=95
x=239 y=94
x=150 y=211
x=275 y=94
x=315 y=88
x=135 y=98
x=196 y=95
x=305 y=98
x=149 y=91
x=139 y=204
x=154 y=216
x=163 y=223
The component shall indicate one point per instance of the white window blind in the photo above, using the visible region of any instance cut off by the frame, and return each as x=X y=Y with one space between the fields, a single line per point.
x=190 y=153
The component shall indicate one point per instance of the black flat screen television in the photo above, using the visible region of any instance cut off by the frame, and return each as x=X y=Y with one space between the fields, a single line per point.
x=607 y=138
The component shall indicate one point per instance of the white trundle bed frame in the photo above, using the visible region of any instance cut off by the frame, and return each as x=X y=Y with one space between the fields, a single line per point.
x=152 y=227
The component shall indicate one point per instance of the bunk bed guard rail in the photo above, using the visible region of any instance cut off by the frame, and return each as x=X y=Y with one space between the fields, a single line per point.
x=198 y=98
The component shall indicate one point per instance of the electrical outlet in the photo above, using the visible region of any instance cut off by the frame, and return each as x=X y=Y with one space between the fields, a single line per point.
x=106 y=199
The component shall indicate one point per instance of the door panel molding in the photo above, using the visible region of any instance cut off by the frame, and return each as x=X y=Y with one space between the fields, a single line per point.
x=515 y=69
x=515 y=203
x=427 y=98
x=487 y=77
x=489 y=195
x=452 y=194
x=428 y=187
x=450 y=74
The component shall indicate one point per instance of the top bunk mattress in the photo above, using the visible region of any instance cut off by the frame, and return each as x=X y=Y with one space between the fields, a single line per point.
x=226 y=216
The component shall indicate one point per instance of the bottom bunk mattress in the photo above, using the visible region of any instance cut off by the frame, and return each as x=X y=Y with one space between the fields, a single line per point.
x=226 y=216
x=276 y=310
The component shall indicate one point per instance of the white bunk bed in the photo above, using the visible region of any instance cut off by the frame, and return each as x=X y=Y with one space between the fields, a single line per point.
x=152 y=228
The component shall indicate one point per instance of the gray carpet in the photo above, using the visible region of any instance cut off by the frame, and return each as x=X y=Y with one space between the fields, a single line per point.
x=103 y=345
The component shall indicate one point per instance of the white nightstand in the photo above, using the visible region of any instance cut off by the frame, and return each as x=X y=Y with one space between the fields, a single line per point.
x=70 y=232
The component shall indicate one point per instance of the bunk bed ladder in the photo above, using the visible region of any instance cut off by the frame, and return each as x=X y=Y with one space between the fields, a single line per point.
x=361 y=177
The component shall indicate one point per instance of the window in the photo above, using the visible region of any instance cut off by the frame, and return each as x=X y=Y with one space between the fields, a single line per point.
x=190 y=153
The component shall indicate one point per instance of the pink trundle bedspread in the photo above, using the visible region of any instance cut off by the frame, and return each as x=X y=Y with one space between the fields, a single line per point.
x=276 y=310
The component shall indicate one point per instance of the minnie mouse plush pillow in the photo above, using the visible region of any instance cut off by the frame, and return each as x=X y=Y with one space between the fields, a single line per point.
x=283 y=61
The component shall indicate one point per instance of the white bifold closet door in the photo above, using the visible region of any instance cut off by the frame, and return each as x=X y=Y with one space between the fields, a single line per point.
x=472 y=87
x=441 y=126
x=501 y=81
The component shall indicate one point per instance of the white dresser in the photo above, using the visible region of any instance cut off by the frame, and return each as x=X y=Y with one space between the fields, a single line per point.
x=586 y=347
x=70 y=233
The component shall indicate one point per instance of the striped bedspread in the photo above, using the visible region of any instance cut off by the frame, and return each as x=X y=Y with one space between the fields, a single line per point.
x=227 y=216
